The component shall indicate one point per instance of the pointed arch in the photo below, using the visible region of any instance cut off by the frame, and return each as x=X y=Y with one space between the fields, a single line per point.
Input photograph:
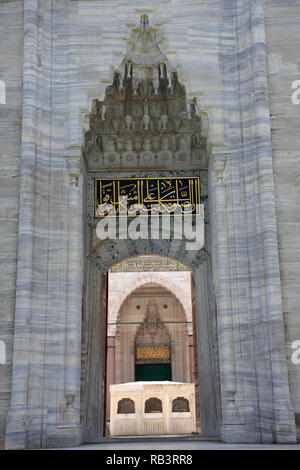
x=153 y=278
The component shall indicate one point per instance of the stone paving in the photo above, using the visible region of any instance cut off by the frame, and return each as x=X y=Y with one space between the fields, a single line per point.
x=177 y=446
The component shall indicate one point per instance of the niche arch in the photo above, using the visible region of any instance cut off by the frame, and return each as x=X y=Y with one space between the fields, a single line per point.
x=168 y=328
x=154 y=278
x=99 y=260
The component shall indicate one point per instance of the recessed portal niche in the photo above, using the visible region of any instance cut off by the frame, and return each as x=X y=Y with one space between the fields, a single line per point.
x=150 y=331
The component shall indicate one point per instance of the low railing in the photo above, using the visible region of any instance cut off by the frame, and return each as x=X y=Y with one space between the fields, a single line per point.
x=152 y=408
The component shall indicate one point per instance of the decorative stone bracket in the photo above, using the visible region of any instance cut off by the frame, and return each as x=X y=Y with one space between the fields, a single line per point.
x=74 y=165
x=219 y=164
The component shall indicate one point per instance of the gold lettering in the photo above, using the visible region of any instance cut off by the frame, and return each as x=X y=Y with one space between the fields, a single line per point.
x=159 y=195
x=152 y=352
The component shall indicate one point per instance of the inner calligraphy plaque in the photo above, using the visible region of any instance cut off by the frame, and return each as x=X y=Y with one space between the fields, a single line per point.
x=152 y=352
x=144 y=196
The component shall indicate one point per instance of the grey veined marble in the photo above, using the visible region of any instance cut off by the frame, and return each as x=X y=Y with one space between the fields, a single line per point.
x=237 y=58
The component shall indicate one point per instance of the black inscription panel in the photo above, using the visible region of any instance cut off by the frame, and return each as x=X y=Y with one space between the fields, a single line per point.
x=142 y=196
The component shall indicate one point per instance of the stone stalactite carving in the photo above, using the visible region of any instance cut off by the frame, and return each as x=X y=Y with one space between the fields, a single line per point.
x=164 y=121
x=155 y=82
x=152 y=331
x=147 y=144
x=146 y=100
x=128 y=122
x=146 y=117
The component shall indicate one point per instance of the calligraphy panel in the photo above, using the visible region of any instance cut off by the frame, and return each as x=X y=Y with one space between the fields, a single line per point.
x=141 y=196
x=148 y=263
x=152 y=352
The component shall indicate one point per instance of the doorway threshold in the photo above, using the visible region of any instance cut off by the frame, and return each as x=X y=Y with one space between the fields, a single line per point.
x=159 y=438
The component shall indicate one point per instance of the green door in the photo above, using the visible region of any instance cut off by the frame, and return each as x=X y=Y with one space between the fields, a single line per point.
x=152 y=372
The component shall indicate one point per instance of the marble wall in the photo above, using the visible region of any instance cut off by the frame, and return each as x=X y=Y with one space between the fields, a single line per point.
x=283 y=47
x=222 y=49
x=99 y=33
x=11 y=61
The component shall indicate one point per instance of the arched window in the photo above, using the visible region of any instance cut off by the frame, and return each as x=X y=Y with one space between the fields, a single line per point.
x=153 y=405
x=180 y=405
x=126 y=406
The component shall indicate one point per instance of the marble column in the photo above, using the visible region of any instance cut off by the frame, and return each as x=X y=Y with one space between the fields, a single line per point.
x=71 y=415
x=19 y=413
x=207 y=351
x=191 y=353
x=283 y=429
x=224 y=307
x=110 y=367
x=94 y=325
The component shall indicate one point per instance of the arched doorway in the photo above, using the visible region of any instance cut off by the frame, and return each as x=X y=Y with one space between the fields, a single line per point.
x=152 y=337
x=150 y=323
x=146 y=143
x=98 y=345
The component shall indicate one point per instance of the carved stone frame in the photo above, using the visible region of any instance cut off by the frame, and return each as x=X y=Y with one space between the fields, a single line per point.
x=93 y=326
